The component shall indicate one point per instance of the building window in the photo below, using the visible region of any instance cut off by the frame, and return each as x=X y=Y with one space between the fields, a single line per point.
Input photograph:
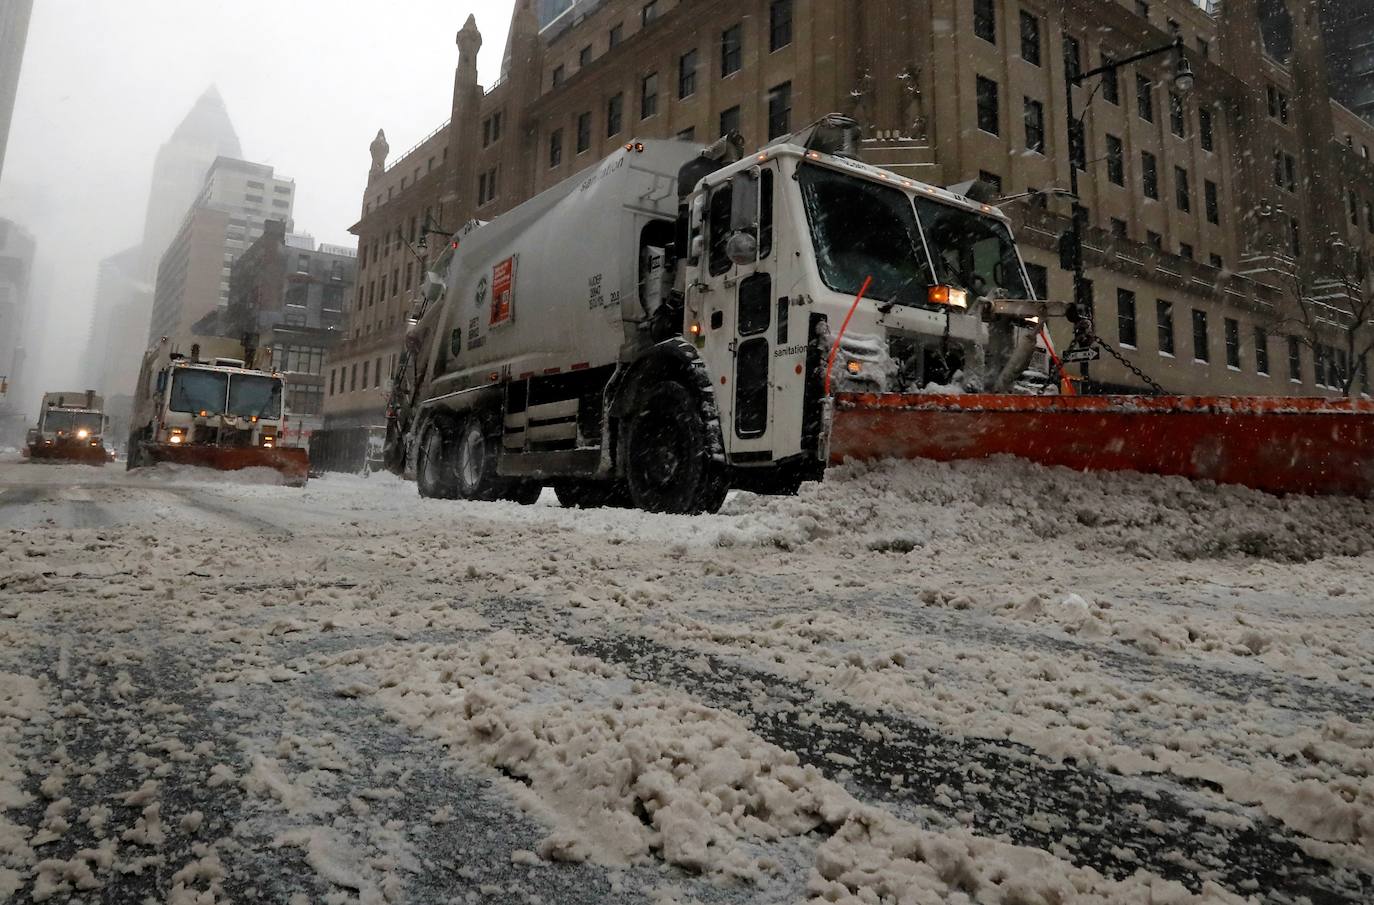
x=1116 y=161
x=1185 y=251
x=648 y=96
x=780 y=110
x=985 y=20
x=1278 y=104
x=377 y=379
x=1035 y=126
x=687 y=74
x=1232 y=328
x=616 y=35
x=1119 y=228
x=1149 y=175
x=1178 y=120
x=332 y=372
x=992 y=181
x=1353 y=201
x=1039 y=280
x=988 y=113
x=559 y=74
x=555 y=148
x=649 y=12
x=1261 y=351
x=1145 y=98
x=1294 y=359
x=1030 y=37
x=584 y=57
x=1125 y=318
x=584 y=132
x=1073 y=57
x=615 y=109
x=1142 y=9
x=729 y=121
x=1164 y=322
x=1111 y=85
x=688 y=134
x=1183 y=198
x=1294 y=237
x=1205 y=129
x=1200 y=350
x=1154 y=240
x=1215 y=260
x=1211 y=197
x=353 y=378
x=731 y=50
x=779 y=24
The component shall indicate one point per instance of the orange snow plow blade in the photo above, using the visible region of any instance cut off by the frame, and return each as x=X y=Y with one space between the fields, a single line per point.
x=293 y=463
x=82 y=453
x=1274 y=444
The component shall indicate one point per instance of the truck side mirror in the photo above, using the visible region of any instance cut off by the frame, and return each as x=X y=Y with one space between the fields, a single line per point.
x=744 y=206
x=161 y=381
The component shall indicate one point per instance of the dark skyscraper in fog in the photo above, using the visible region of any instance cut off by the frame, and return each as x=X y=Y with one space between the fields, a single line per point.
x=14 y=33
x=1349 y=27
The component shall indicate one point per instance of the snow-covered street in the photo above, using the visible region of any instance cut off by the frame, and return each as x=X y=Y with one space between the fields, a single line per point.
x=913 y=683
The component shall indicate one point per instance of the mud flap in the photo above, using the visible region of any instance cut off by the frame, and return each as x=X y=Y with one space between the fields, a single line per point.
x=1274 y=444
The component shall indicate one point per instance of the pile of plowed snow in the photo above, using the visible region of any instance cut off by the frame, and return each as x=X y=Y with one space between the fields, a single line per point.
x=899 y=506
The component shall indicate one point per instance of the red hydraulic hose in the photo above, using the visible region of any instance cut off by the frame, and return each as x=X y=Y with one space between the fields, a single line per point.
x=830 y=363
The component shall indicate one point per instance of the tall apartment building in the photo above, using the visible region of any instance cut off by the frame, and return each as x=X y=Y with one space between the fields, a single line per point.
x=228 y=216
x=14 y=35
x=16 y=268
x=1212 y=212
x=124 y=287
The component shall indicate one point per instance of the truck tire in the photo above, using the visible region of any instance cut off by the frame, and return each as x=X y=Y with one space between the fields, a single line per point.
x=474 y=461
x=669 y=465
x=590 y=494
x=434 y=472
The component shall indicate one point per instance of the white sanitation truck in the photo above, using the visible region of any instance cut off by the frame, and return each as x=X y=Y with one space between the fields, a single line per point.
x=201 y=401
x=666 y=325
x=71 y=428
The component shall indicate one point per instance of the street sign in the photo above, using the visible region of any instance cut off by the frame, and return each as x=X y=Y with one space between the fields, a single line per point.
x=1079 y=356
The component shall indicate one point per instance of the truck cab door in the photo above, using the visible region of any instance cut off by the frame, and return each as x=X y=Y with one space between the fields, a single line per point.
x=738 y=269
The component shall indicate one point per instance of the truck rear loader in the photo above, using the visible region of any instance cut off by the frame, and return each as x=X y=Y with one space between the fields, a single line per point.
x=677 y=321
x=71 y=428
x=199 y=401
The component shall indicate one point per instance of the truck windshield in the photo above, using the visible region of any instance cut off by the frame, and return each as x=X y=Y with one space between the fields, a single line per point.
x=861 y=229
x=198 y=391
x=250 y=395
x=971 y=252
x=70 y=422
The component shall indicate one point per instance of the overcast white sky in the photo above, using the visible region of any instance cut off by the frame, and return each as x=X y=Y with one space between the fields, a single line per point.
x=307 y=84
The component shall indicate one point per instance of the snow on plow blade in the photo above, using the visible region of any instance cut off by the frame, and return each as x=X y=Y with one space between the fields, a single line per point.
x=69 y=452
x=293 y=463
x=1274 y=444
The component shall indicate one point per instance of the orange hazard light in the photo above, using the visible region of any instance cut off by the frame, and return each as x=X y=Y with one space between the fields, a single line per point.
x=948 y=295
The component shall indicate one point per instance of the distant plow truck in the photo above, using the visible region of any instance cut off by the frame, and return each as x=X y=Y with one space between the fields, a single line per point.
x=71 y=428
x=201 y=401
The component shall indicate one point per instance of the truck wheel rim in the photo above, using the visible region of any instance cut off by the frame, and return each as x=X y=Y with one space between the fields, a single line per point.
x=660 y=459
x=473 y=453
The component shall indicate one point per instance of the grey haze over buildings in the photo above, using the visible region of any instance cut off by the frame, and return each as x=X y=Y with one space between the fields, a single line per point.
x=305 y=86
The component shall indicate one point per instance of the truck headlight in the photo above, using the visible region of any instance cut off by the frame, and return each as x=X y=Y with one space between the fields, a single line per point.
x=82 y=434
x=174 y=439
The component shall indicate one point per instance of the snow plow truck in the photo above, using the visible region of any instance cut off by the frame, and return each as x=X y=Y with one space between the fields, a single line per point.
x=199 y=401
x=678 y=321
x=71 y=428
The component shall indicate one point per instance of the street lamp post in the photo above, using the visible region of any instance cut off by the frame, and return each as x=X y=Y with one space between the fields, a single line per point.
x=1071 y=244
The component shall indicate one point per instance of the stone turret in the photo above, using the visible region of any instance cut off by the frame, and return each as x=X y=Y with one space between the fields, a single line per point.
x=523 y=73
x=459 y=201
x=379 y=149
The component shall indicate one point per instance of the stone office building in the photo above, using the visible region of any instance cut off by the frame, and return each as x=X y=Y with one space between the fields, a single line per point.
x=1212 y=212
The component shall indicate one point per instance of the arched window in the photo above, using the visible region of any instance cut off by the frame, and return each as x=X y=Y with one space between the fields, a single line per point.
x=1276 y=29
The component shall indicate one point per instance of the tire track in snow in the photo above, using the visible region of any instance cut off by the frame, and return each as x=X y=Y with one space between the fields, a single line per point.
x=998 y=788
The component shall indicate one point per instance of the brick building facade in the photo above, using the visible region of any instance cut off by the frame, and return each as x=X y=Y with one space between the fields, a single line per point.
x=1212 y=212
